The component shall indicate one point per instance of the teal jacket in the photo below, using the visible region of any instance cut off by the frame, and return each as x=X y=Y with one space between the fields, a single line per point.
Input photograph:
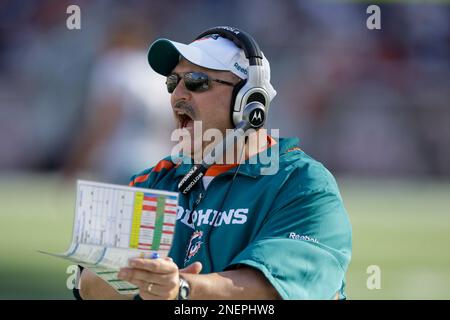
x=291 y=225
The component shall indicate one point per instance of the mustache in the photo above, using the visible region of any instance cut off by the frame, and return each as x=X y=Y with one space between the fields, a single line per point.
x=186 y=108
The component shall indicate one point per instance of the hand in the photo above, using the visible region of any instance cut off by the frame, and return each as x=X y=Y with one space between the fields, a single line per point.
x=161 y=276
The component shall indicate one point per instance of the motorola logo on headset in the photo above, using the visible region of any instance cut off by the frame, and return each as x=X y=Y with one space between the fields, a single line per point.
x=256 y=118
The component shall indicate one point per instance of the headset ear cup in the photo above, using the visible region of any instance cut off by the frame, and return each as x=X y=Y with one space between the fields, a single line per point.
x=234 y=94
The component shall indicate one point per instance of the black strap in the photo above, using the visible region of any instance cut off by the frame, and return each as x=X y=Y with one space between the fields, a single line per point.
x=75 y=291
x=242 y=39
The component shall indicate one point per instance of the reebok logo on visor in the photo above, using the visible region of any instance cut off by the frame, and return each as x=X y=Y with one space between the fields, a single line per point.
x=240 y=69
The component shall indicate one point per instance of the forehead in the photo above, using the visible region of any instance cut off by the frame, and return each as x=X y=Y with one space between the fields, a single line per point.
x=186 y=66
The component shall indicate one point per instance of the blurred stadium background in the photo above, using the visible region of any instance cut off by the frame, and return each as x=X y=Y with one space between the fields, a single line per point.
x=371 y=105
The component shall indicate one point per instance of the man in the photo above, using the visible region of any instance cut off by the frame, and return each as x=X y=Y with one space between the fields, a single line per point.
x=239 y=234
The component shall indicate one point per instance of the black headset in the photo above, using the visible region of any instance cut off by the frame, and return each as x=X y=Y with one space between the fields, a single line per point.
x=250 y=100
x=254 y=88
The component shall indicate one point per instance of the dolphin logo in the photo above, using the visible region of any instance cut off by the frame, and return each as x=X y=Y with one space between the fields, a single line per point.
x=194 y=245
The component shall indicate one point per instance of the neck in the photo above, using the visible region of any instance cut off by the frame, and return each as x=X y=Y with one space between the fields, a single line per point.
x=255 y=142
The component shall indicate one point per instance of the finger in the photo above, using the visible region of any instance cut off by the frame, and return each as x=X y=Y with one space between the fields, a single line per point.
x=152 y=296
x=138 y=274
x=157 y=291
x=154 y=265
x=193 y=268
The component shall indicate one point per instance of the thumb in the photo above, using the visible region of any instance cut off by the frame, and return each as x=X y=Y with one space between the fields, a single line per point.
x=193 y=268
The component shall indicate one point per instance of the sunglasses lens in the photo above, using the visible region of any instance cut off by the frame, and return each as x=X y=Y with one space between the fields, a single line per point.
x=196 y=81
x=172 y=82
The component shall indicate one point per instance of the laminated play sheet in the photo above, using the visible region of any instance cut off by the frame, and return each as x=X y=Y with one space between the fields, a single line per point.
x=114 y=223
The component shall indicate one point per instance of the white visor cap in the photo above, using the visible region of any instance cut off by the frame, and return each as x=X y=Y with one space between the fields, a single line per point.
x=211 y=52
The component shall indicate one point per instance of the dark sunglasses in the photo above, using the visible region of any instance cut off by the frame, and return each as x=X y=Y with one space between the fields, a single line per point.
x=193 y=81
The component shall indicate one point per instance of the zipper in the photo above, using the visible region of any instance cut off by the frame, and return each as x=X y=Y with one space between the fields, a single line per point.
x=203 y=192
x=199 y=198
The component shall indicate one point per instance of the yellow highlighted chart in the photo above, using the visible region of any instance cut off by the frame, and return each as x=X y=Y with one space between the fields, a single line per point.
x=136 y=222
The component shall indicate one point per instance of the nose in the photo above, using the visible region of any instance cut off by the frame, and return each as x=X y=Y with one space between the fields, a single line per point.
x=180 y=92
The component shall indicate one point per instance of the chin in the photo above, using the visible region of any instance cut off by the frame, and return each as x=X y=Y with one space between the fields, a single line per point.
x=191 y=148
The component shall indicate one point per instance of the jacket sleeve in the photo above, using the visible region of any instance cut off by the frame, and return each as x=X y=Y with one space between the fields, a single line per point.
x=304 y=246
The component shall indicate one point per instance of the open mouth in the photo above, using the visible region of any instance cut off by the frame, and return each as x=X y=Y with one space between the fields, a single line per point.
x=184 y=120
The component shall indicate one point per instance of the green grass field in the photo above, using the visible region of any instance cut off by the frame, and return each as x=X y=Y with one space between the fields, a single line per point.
x=402 y=227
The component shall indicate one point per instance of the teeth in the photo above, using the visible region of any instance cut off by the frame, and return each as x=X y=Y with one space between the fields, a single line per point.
x=179 y=114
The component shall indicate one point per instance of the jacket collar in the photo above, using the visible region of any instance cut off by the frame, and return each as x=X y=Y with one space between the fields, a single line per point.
x=251 y=167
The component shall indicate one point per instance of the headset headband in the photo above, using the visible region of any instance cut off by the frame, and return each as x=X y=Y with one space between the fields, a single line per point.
x=242 y=39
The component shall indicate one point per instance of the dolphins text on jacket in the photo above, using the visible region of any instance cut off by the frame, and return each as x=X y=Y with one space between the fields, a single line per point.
x=208 y=216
